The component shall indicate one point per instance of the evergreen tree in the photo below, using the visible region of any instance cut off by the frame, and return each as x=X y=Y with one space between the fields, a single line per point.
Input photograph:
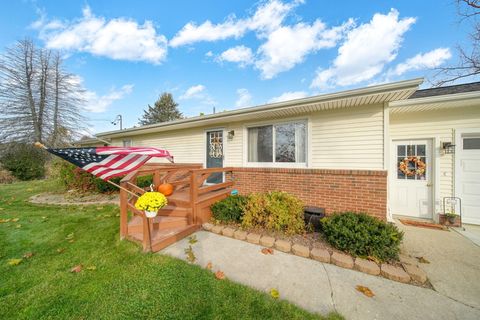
x=164 y=109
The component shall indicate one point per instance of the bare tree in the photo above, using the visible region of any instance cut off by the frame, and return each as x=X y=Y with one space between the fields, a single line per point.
x=39 y=99
x=469 y=58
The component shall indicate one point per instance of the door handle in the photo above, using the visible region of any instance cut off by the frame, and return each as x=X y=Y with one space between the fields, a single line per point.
x=429 y=184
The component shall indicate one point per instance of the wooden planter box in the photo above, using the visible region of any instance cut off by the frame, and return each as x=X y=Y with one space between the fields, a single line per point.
x=443 y=220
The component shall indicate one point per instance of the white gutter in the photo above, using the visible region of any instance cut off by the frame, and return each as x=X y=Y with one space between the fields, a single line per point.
x=437 y=99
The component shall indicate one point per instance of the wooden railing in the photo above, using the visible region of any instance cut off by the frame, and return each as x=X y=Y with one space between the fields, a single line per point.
x=187 y=179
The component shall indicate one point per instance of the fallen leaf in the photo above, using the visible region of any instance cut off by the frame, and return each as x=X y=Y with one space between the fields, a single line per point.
x=219 y=275
x=28 y=255
x=29 y=189
x=15 y=219
x=70 y=236
x=192 y=239
x=422 y=260
x=71 y=241
x=374 y=259
x=267 y=251
x=2 y=209
x=209 y=266
x=190 y=254
x=60 y=250
x=91 y=268
x=14 y=262
x=274 y=293
x=365 y=290
x=76 y=269
x=18 y=226
x=4 y=220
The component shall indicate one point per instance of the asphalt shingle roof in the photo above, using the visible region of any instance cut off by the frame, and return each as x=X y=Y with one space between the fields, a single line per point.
x=459 y=88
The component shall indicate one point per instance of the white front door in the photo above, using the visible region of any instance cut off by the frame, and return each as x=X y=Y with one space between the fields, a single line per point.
x=411 y=178
x=467 y=174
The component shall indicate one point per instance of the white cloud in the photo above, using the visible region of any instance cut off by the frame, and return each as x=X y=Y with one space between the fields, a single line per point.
x=289 y=95
x=193 y=92
x=366 y=50
x=428 y=60
x=198 y=92
x=239 y=54
x=288 y=45
x=97 y=104
x=268 y=16
x=120 y=38
x=283 y=47
x=244 y=98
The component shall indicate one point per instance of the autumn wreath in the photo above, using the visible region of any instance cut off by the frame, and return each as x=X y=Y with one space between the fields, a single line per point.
x=404 y=166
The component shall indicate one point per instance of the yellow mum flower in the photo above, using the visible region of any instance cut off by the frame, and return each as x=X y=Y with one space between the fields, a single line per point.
x=151 y=201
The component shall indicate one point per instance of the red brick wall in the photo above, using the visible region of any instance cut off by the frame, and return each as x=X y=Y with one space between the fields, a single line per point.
x=334 y=190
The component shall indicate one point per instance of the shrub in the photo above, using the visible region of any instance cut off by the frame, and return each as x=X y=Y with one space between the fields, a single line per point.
x=362 y=235
x=6 y=176
x=229 y=209
x=24 y=161
x=274 y=211
x=73 y=177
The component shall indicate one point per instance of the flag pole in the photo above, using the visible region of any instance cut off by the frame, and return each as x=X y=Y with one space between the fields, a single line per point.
x=41 y=145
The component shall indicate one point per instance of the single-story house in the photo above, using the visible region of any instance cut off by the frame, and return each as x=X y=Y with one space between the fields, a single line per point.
x=388 y=149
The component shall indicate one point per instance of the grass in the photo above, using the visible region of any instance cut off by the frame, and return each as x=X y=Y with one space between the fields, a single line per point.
x=126 y=283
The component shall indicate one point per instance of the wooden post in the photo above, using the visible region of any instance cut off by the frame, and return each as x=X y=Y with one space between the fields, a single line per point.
x=123 y=211
x=193 y=195
x=156 y=178
x=147 y=242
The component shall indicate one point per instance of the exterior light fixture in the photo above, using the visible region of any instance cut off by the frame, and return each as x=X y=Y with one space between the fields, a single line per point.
x=448 y=148
x=231 y=134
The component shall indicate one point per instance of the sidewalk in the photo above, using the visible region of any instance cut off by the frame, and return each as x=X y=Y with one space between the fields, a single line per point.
x=319 y=287
x=454 y=268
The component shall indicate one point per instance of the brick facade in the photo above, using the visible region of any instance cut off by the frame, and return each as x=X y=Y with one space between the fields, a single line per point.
x=334 y=190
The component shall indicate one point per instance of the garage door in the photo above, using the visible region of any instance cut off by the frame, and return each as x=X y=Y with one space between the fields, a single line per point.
x=468 y=175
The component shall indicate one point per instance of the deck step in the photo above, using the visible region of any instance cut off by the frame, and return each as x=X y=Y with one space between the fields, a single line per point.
x=159 y=223
x=173 y=211
x=164 y=238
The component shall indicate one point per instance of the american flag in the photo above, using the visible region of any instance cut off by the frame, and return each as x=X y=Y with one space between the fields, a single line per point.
x=109 y=162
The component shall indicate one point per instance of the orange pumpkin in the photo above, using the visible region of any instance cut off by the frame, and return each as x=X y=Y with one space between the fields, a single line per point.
x=165 y=188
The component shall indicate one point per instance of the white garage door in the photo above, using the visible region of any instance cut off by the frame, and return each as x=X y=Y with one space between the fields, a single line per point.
x=468 y=175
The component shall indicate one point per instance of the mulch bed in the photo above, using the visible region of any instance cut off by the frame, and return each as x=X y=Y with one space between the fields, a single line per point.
x=74 y=198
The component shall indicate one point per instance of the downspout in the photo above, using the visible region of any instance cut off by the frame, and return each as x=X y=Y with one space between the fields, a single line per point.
x=386 y=155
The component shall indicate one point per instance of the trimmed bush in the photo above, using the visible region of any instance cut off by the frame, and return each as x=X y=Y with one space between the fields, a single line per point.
x=73 y=177
x=274 y=211
x=362 y=235
x=24 y=161
x=229 y=209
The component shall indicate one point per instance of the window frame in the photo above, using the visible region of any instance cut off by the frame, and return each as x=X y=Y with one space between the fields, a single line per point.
x=127 y=140
x=275 y=164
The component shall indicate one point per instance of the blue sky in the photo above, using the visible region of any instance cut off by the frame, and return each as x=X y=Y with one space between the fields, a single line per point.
x=232 y=54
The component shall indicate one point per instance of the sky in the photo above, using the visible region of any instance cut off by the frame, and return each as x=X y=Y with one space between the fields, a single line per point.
x=233 y=54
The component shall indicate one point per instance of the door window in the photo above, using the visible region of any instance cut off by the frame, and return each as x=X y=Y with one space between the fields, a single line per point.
x=411 y=162
x=215 y=155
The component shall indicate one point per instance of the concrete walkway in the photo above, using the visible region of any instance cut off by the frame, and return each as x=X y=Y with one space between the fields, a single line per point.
x=319 y=287
x=471 y=232
x=454 y=268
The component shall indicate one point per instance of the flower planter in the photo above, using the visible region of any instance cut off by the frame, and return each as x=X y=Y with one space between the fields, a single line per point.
x=150 y=214
x=449 y=222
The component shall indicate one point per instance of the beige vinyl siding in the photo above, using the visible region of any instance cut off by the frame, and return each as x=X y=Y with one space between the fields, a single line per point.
x=187 y=146
x=440 y=124
x=350 y=138
x=347 y=138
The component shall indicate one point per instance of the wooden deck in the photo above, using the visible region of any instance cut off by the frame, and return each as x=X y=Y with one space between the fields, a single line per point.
x=188 y=207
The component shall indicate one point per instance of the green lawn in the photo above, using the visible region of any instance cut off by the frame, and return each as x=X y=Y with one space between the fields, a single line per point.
x=126 y=283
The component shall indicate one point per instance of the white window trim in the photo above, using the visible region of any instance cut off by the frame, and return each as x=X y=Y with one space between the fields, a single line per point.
x=292 y=165
x=125 y=140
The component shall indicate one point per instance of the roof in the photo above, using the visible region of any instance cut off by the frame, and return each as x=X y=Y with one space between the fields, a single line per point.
x=350 y=98
x=459 y=88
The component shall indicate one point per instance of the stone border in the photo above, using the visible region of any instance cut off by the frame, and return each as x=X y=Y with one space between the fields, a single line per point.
x=408 y=273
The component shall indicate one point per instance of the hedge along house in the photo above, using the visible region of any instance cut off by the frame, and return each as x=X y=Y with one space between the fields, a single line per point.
x=341 y=151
